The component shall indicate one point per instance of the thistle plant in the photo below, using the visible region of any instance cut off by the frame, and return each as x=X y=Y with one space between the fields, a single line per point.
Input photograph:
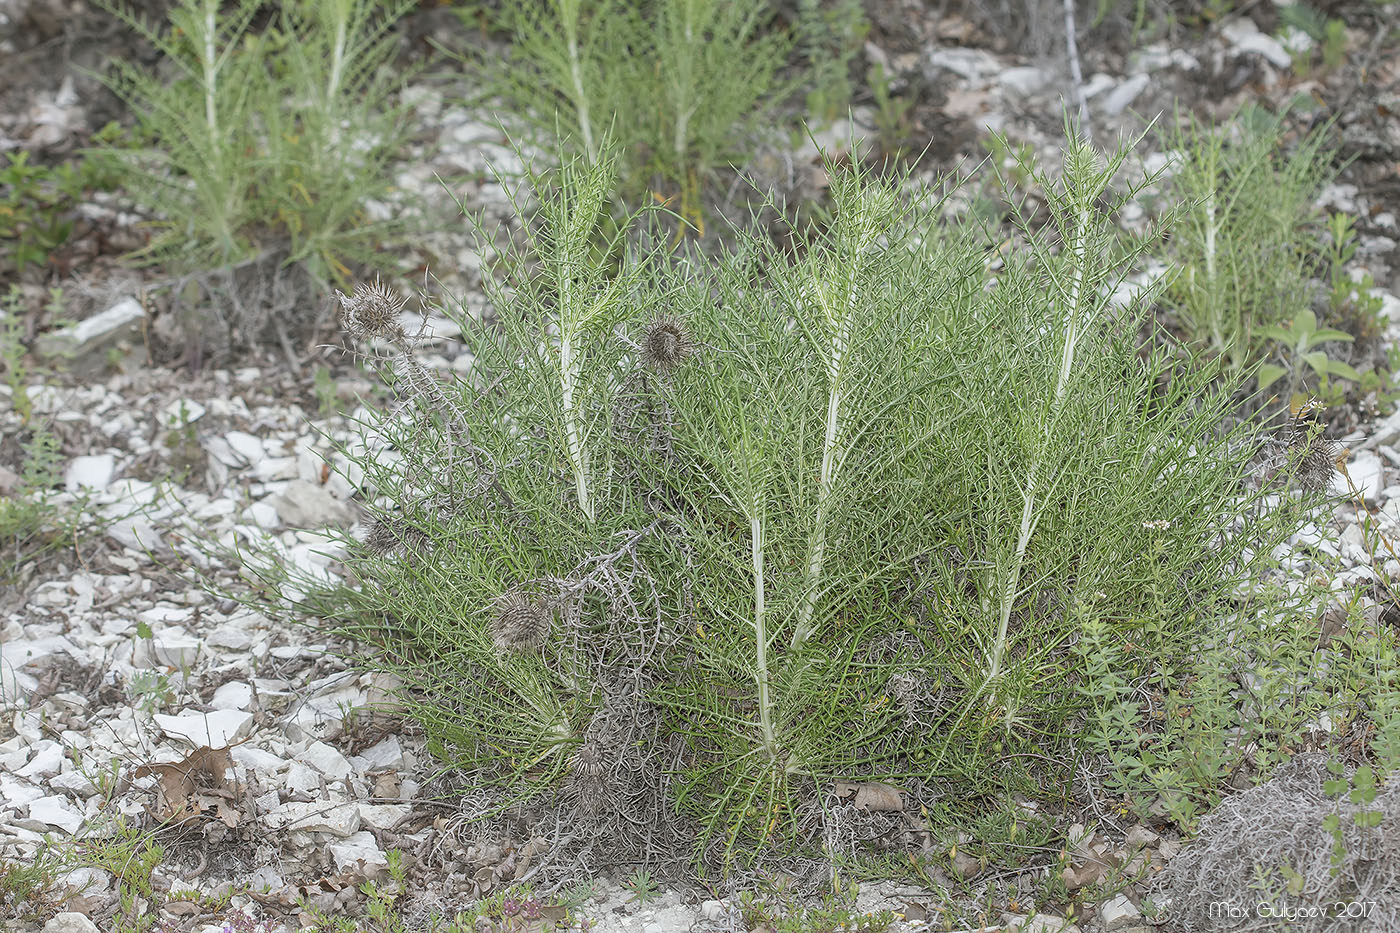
x=684 y=86
x=1245 y=249
x=280 y=135
x=692 y=542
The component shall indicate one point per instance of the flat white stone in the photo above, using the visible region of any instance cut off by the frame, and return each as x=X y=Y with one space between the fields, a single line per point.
x=307 y=505
x=90 y=472
x=183 y=411
x=161 y=615
x=301 y=778
x=70 y=921
x=1367 y=475
x=15 y=794
x=263 y=515
x=230 y=635
x=248 y=448
x=233 y=695
x=1118 y=913
x=54 y=811
x=175 y=648
x=218 y=729
x=45 y=762
x=1122 y=97
x=136 y=534
x=326 y=760
x=383 y=816
x=387 y=753
x=315 y=817
x=74 y=781
x=122 y=319
x=359 y=850
x=258 y=759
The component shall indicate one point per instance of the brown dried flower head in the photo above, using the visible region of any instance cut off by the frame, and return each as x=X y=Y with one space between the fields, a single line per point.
x=519 y=623
x=373 y=311
x=666 y=343
x=396 y=536
x=587 y=762
x=1315 y=459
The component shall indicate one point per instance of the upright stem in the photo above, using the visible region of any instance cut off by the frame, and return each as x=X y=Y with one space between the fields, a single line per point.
x=211 y=68
x=817 y=555
x=760 y=627
x=342 y=16
x=569 y=15
x=1216 y=330
x=578 y=456
x=1072 y=323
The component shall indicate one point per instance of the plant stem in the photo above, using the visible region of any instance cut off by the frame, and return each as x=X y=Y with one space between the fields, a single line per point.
x=569 y=15
x=342 y=14
x=211 y=68
x=760 y=626
x=1212 y=226
x=1028 y=517
x=578 y=457
x=836 y=357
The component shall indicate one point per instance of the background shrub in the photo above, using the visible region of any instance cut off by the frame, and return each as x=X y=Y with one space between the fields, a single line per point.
x=263 y=142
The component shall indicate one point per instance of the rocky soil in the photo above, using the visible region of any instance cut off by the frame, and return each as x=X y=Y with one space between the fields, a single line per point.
x=135 y=685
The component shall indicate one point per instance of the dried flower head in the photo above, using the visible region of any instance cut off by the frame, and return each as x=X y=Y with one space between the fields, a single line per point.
x=519 y=623
x=396 y=535
x=587 y=762
x=1314 y=458
x=373 y=311
x=666 y=343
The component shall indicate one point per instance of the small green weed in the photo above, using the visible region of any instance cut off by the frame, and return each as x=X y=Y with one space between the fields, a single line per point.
x=37 y=205
x=128 y=853
x=685 y=87
x=26 y=888
x=643 y=886
x=12 y=352
x=834 y=915
x=1299 y=343
x=1248 y=243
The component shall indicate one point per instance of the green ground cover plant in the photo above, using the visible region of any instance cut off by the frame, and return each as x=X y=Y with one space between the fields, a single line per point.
x=37 y=206
x=776 y=549
x=268 y=140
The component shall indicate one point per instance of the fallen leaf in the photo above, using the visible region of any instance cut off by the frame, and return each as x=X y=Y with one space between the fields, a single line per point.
x=203 y=781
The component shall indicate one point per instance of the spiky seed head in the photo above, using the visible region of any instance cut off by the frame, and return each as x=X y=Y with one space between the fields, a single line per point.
x=587 y=762
x=519 y=623
x=373 y=311
x=392 y=535
x=381 y=539
x=1314 y=457
x=666 y=343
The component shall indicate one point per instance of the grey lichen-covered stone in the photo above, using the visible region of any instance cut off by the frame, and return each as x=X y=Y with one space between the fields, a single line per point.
x=83 y=347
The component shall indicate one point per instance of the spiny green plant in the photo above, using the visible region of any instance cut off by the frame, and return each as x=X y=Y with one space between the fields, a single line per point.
x=263 y=140
x=684 y=86
x=1246 y=246
x=695 y=540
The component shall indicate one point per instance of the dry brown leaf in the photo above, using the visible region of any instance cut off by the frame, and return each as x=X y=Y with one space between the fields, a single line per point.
x=187 y=788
